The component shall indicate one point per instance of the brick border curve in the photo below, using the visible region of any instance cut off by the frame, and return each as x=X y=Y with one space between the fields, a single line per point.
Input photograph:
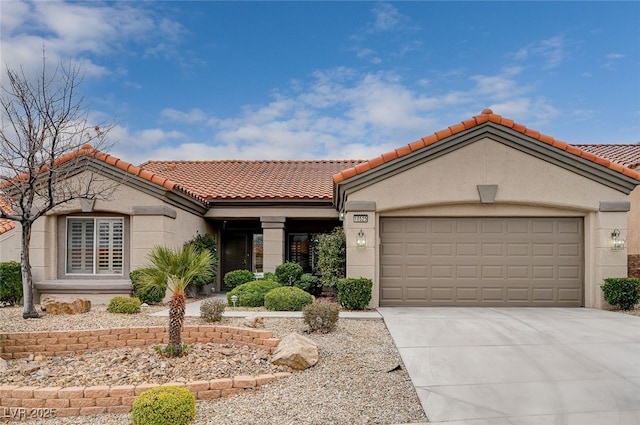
x=16 y=401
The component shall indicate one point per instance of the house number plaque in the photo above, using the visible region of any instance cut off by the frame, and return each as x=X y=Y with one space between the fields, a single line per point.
x=361 y=218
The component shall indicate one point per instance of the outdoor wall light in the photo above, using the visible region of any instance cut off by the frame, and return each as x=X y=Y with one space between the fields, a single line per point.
x=342 y=215
x=361 y=241
x=617 y=243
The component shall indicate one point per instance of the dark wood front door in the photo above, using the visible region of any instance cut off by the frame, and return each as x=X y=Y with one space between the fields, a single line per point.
x=236 y=252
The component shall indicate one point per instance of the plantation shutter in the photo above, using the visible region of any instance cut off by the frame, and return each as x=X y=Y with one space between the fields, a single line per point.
x=80 y=246
x=95 y=246
x=110 y=245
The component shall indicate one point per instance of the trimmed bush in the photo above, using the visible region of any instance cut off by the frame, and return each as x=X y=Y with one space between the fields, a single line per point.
x=287 y=298
x=164 y=406
x=270 y=276
x=251 y=294
x=124 y=305
x=622 y=291
x=332 y=256
x=150 y=294
x=211 y=310
x=321 y=316
x=310 y=283
x=238 y=277
x=354 y=294
x=10 y=282
x=205 y=243
x=289 y=273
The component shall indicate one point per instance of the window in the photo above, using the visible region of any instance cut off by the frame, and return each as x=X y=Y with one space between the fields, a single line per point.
x=300 y=251
x=95 y=246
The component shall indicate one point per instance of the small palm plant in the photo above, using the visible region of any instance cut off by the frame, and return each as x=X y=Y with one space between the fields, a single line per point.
x=174 y=270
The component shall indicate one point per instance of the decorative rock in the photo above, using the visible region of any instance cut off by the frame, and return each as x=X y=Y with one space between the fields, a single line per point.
x=3 y=365
x=254 y=321
x=296 y=351
x=53 y=306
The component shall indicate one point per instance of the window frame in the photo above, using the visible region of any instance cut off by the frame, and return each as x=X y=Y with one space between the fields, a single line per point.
x=95 y=246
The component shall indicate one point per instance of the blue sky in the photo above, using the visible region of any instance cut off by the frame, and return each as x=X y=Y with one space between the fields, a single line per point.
x=304 y=80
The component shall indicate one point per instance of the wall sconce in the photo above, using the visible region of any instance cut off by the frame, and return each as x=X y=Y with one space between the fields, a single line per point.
x=617 y=243
x=361 y=240
x=341 y=215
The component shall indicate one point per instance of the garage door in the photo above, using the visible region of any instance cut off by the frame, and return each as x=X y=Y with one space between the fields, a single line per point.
x=481 y=262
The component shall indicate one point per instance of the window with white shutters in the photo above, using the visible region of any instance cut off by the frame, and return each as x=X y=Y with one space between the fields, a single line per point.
x=95 y=246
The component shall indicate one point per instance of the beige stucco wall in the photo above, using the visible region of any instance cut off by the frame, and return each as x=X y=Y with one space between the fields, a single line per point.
x=633 y=223
x=527 y=186
x=10 y=245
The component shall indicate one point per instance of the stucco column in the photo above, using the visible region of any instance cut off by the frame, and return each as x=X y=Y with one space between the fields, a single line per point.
x=273 y=242
x=360 y=219
x=607 y=261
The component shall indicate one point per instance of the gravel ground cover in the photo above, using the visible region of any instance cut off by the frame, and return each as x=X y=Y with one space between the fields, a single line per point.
x=359 y=378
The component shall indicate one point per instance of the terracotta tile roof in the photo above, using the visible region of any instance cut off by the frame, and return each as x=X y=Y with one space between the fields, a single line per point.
x=487 y=115
x=627 y=155
x=253 y=180
x=88 y=150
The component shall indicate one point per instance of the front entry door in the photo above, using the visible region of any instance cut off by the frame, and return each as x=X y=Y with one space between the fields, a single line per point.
x=236 y=252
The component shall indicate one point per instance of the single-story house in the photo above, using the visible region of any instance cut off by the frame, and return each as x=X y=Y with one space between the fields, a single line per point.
x=484 y=213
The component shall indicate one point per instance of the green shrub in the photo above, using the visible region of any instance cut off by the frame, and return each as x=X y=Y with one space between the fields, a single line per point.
x=125 y=305
x=164 y=406
x=354 y=294
x=310 y=283
x=289 y=273
x=332 y=256
x=287 y=298
x=211 y=310
x=622 y=291
x=251 y=294
x=150 y=294
x=10 y=282
x=321 y=316
x=205 y=243
x=238 y=277
x=270 y=276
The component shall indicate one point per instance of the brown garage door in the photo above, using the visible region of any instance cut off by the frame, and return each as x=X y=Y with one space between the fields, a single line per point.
x=481 y=262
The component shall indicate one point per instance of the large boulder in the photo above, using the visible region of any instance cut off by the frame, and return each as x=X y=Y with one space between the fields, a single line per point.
x=296 y=351
x=53 y=306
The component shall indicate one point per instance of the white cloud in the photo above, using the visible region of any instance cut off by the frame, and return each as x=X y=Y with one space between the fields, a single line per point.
x=340 y=113
x=195 y=115
x=611 y=60
x=551 y=51
x=78 y=32
x=387 y=17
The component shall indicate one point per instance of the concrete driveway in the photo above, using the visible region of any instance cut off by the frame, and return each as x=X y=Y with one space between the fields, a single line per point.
x=521 y=366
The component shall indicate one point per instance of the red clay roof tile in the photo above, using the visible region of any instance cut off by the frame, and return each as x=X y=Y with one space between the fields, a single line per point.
x=604 y=155
x=626 y=155
x=418 y=144
x=257 y=180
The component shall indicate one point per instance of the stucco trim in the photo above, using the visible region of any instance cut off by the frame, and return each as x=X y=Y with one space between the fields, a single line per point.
x=487 y=193
x=273 y=222
x=611 y=206
x=497 y=133
x=154 y=210
x=356 y=206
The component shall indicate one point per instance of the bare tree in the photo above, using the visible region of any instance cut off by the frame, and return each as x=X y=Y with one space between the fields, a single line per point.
x=47 y=144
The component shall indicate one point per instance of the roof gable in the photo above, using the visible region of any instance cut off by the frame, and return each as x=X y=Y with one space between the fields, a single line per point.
x=500 y=129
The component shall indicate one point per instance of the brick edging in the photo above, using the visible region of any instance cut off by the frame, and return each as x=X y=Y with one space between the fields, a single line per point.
x=24 y=402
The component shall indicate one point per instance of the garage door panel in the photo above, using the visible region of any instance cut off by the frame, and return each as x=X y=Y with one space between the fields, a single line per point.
x=482 y=261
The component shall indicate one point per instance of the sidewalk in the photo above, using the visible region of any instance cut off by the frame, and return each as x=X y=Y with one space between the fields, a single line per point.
x=193 y=310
